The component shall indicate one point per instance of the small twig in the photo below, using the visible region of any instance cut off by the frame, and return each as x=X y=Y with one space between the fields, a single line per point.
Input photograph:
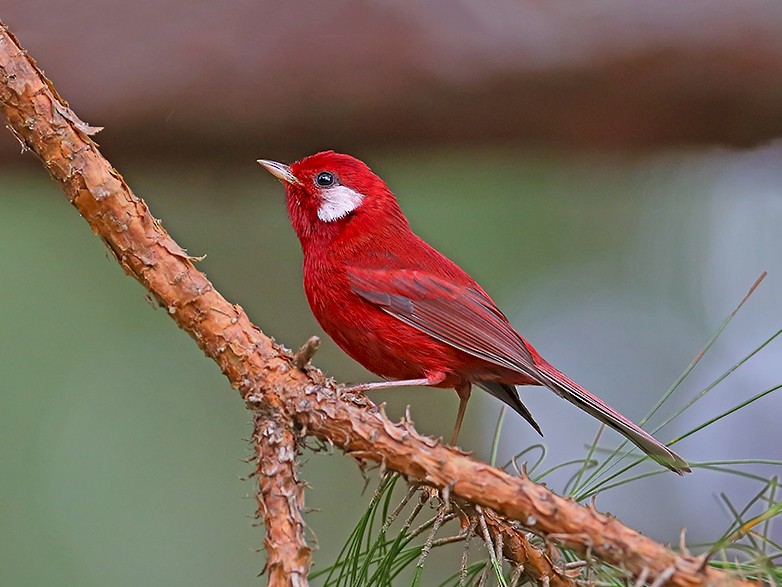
x=494 y=560
x=304 y=355
x=498 y=545
x=641 y=580
x=683 y=542
x=485 y=531
x=424 y=498
x=448 y=539
x=398 y=509
x=428 y=524
x=518 y=571
x=663 y=577
x=468 y=532
x=438 y=521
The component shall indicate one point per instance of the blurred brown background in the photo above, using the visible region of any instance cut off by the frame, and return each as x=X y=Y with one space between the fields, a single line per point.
x=212 y=80
x=610 y=171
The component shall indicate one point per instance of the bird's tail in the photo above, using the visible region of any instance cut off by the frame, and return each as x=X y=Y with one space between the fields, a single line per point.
x=575 y=394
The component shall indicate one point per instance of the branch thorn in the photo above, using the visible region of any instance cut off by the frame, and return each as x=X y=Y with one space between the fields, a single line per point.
x=304 y=355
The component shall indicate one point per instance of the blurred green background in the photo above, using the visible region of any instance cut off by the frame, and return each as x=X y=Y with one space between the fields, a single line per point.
x=123 y=446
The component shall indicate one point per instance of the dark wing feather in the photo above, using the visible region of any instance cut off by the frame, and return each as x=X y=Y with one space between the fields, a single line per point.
x=507 y=393
x=463 y=317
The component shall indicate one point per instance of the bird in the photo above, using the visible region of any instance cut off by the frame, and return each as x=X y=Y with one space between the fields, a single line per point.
x=405 y=311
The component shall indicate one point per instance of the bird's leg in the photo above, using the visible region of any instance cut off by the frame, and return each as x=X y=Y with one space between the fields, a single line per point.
x=464 y=397
x=431 y=379
x=385 y=384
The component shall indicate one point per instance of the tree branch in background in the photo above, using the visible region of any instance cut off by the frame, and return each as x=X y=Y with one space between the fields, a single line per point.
x=280 y=501
x=264 y=372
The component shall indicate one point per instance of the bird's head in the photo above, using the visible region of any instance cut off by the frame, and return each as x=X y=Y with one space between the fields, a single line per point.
x=329 y=191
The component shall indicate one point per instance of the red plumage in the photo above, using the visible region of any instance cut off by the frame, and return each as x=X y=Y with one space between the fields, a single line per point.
x=405 y=311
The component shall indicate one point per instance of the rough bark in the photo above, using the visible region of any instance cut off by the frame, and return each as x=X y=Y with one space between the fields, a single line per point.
x=280 y=501
x=264 y=373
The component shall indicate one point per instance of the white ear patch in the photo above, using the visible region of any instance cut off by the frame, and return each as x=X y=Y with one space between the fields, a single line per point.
x=338 y=202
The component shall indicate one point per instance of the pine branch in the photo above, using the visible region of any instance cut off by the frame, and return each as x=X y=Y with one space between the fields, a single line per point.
x=264 y=372
x=280 y=501
x=517 y=548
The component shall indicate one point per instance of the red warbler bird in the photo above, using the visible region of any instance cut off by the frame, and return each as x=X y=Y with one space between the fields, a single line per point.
x=405 y=311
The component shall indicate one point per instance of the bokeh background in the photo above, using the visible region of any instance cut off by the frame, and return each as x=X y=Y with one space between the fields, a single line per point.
x=609 y=170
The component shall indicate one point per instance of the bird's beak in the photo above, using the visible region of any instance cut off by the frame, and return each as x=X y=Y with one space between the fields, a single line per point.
x=280 y=171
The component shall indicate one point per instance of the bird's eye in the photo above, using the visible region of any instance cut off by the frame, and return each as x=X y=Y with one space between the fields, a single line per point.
x=325 y=179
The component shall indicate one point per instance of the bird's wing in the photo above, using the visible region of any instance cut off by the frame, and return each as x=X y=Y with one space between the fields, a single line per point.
x=463 y=317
